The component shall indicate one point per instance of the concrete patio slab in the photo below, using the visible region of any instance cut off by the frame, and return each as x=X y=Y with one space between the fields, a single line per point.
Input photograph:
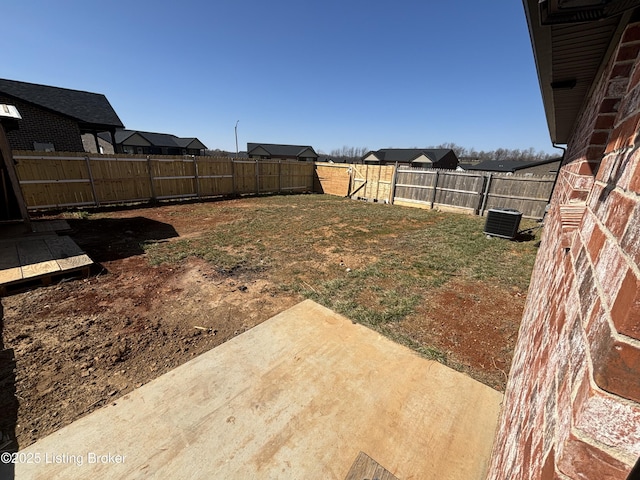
x=297 y=397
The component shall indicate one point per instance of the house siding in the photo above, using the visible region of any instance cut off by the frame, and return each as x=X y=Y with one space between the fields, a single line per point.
x=258 y=153
x=572 y=403
x=423 y=160
x=43 y=126
x=136 y=140
x=307 y=155
x=449 y=161
x=546 y=169
x=89 y=143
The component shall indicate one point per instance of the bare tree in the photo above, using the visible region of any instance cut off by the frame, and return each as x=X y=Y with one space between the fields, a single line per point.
x=349 y=154
x=500 y=154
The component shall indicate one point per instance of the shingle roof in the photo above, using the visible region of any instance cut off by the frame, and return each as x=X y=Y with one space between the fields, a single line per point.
x=190 y=142
x=508 y=165
x=183 y=142
x=276 y=150
x=86 y=107
x=121 y=135
x=156 y=139
x=404 y=155
x=160 y=139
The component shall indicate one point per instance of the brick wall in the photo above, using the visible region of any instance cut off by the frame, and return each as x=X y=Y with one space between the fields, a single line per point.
x=572 y=405
x=43 y=126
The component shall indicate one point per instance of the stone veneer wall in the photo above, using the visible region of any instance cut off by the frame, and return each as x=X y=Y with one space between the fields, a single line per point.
x=572 y=404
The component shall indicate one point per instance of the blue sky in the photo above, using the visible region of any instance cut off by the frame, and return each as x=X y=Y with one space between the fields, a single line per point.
x=323 y=73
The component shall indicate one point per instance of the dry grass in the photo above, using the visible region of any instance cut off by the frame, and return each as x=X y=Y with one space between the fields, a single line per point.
x=376 y=264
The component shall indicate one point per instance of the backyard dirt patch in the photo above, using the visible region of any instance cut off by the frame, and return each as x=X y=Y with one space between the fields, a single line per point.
x=174 y=281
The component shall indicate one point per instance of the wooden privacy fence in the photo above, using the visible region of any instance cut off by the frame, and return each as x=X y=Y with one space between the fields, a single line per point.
x=474 y=192
x=58 y=180
x=366 y=182
x=332 y=179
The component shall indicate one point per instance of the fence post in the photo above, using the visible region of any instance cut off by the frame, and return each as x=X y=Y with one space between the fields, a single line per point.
x=435 y=189
x=485 y=195
x=366 y=185
x=279 y=175
x=233 y=177
x=151 y=185
x=93 y=185
x=375 y=198
x=480 y=195
x=195 y=173
x=394 y=179
x=257 y=178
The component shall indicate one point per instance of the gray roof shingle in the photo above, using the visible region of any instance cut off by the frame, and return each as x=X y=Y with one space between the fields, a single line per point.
x=157 y=139
x=89 y=108
x=508 y=165
x=404 y=155
x=280 y=150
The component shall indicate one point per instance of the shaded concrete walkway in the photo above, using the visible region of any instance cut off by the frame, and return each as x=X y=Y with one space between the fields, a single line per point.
x=297 y=397
x=38 y=256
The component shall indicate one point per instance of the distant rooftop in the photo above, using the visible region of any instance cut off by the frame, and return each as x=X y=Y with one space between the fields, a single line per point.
x=508 y=165
x=280 y=150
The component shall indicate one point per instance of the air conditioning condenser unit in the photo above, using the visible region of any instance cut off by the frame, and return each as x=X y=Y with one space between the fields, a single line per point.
x=502 y=222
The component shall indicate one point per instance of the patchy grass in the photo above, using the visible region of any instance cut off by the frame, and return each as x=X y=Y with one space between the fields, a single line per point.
x=376 y=264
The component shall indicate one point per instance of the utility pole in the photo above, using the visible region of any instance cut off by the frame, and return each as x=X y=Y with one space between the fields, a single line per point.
x=237 y=139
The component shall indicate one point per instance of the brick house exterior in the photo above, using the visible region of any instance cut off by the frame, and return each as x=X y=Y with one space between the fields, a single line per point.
x=572 y=403
x=42 y=126
x=56 y=118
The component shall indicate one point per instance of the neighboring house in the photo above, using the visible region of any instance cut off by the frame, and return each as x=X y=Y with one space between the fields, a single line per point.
x=521 y=167
x=462 y=167
x=270 y=151
x=469 y=160
x=413 y=157
x=571 y=408
x=13 y=203
x=331 y=159
x=224 y=154
x=150 y=143
x=54 y=119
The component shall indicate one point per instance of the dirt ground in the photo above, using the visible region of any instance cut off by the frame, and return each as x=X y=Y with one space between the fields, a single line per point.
x=81 y=344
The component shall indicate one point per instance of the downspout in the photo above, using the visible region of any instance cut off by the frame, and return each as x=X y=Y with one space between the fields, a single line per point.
x=555 y=181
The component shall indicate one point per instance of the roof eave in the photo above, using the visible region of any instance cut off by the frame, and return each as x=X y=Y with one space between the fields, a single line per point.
x=196 y=144
x=96 y=127
x=541 y=44
x=564 y=103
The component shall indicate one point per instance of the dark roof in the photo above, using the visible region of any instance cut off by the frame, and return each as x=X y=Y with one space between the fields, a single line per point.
x=568 y=57
x=331 y=159
x=92 y=109
x=404 y=155
x=160 y=139
x=466 y=166
x=121 y=135
x=155 y=139
x=508 y=165
x=280 y=150
x=189 y=141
